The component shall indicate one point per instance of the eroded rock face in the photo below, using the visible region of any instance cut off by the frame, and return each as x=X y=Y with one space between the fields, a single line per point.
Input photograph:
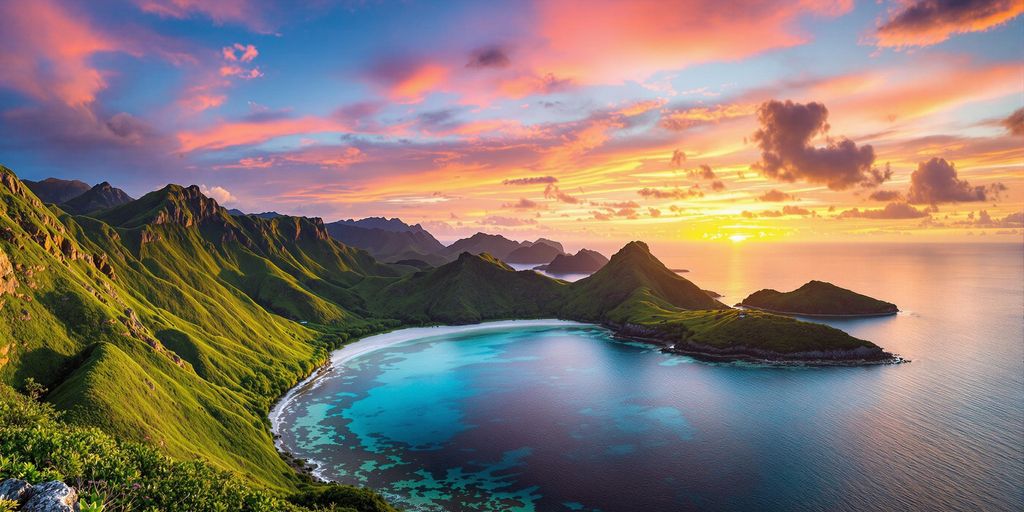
x=52 y=496
x=8 y=282
x=14 y=489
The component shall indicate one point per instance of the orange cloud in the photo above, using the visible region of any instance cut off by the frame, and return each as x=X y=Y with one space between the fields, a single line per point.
x=413 y=87
x=682 y=119
x=906 y=93
x=928 y=22
x=640 y=107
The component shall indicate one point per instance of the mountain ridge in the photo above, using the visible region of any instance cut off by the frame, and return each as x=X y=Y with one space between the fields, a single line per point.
x=175 y=323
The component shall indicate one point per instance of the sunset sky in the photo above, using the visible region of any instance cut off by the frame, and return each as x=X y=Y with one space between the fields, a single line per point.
x=661 y=120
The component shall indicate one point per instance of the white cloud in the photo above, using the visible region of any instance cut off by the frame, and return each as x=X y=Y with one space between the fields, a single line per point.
x=220 y=194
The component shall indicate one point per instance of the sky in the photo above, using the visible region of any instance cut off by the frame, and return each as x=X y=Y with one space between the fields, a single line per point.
x=666 y=120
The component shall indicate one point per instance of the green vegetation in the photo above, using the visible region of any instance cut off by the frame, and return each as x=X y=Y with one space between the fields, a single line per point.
x=170 y=326
x=819 y=298
x=113 y=475
x=631 y=281
x=470 y=289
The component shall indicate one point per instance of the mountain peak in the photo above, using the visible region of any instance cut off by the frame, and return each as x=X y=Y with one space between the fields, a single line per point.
x=634 y=269
x=99 y=198
x=173 y=204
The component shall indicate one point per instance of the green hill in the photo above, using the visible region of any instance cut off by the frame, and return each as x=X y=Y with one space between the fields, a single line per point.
x=470 y=289
x=632 y=278
x=168 y=322
x=151 y=326
x=819 y=298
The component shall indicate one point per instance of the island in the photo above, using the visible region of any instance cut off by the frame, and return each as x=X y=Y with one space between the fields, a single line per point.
x=167 y=320
x=818 y=298
x=583 y=262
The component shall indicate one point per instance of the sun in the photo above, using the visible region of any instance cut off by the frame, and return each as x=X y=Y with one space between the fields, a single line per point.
x=737 y=238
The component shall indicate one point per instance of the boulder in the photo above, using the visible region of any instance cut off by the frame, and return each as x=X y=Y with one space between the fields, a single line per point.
x=14 y=489
x=52 y=496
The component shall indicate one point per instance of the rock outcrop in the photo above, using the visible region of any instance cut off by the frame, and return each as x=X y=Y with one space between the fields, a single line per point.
x=8 y=281
x=15 y=490
x=52 y=496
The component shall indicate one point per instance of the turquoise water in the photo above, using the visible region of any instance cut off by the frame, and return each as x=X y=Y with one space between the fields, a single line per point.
x=566 y=418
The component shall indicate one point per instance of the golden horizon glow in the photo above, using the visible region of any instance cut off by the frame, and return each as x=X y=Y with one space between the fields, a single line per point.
x=636 y=120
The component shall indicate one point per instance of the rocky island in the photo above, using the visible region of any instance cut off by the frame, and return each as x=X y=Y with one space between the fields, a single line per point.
x=818 y=298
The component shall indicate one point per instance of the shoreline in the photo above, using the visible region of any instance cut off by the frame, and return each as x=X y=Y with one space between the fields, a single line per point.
x=709 y=354
x=373 y=343
x=377 y=342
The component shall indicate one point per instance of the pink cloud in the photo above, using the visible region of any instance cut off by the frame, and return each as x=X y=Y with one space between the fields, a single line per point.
x=241 y=12
x=45 y=52
x=323 y=157
x=228 y=134
x=601 y=41
x=407 y=79
x=246 y=53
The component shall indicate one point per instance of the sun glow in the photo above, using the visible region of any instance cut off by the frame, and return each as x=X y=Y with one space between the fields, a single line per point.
x=737 y=238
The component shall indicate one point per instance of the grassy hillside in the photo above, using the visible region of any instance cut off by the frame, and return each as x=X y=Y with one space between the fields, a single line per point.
x=167 y=321
x=36 y=445
x=470 y=289
x=632 y=278
x=819 y=298
x=151 y=326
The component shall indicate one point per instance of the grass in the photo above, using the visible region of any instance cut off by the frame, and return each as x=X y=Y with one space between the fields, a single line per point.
x=169 y=323
x=114 y=475
x=819 y=298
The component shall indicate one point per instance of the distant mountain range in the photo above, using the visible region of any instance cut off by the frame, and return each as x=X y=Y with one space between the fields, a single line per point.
x=390 y=240
x=393 y=240
x=391 y=244
x=55 y=190
x=584 y=261
x=263 y=215
x=76 y=197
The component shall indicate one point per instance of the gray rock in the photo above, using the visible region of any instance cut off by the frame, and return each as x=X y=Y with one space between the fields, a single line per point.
x=14 y=489
x=52 y=496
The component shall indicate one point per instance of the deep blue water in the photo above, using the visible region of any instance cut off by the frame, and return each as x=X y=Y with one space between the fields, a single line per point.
x=566 y=418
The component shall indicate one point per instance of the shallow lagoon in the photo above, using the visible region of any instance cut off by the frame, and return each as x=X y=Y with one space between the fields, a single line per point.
x=561 y=417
